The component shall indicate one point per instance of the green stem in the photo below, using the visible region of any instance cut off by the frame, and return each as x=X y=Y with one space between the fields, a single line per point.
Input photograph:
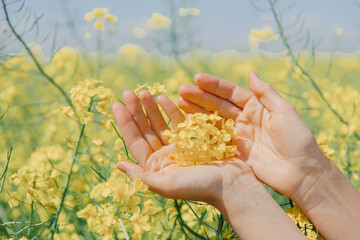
x=183 y=224
x=174 y=41
x=219 y=228
x=54 y=224
x=3 y=175
x=36 y=62
x=295 y=61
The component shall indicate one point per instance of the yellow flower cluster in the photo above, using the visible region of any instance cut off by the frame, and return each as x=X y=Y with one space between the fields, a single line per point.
x=115 y=208
x=300 y=219
x=40 y=164
x=101 y=16
x=202 y=138
x=85 y=95
x=184 y=12
x=323 y=142
x=158 y=21
x=38 y=182
x=154 y=90
x=261 y=35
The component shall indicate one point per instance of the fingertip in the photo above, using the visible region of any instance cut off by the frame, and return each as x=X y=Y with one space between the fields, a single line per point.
x=116 y=106
x=121 y=166
x=161 y=98
x=253 y=74
x=180 y=102
x=183 y=88
x=198 y=77
x=254 y=83
x=145 y=95
x=127 y=93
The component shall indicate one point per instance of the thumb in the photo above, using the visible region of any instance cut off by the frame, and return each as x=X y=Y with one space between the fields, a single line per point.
x=131 y=169
x=267 y=95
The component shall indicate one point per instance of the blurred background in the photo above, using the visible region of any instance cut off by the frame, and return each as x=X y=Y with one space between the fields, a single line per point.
x=63 y=63
x=218 y=26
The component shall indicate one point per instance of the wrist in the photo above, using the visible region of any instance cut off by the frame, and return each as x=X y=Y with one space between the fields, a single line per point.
x=307 y=195
x=331 y=202
x=253 y=213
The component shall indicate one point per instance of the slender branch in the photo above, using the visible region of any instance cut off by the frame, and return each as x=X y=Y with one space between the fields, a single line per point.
x=3 y=175
x=33 y=225
x=3 y=114
x=202 y=221
x=54 y=224
x=36 y=62
x=296 y=62
x=220 y=226
x=182 y=223
x=174 y=41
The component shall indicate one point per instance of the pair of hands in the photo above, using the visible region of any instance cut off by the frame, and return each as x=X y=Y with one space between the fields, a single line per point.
x=273 y=144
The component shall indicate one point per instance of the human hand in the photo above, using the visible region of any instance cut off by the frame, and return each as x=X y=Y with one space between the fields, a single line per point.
x=207 y=183
x=272 y=138
x=229 y=185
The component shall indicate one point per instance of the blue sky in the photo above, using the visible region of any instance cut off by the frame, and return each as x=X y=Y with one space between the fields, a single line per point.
x=221 y=25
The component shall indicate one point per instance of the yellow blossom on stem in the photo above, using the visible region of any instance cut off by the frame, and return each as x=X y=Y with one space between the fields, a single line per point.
x=110 y=18
x=99 y=12
x=99 y=25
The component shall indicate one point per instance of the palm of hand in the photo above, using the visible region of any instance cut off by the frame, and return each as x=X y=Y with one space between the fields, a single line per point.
x=156 y=169
x=196 y=182
x=271 y=147
x=272 y=139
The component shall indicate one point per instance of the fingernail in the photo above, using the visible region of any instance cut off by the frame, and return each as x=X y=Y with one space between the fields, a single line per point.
x=121 y=166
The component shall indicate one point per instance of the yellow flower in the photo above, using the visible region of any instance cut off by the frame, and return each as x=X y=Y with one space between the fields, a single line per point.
x=140 y=87
x=110 y=18
x=137 y=186
x=139 y=32
x=89 y=213
x=99 y=25
x=13 y=202
x=157 y=89
x=89 y=17
x=158 y=21
x=88 y=118
x=131 y=50
x=98 y=142
x=102 y=107
x=68 y=112
x=199 y=139
x=88 y=35
x=261 y=35
x=322 y=139
x=99 y=12
x=184 y=12
x=106 y=123
x=70 y=143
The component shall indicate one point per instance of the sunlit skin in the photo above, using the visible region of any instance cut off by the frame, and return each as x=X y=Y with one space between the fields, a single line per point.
x=155 y=168
x=263 y=120
x=228 y=185
x=281 y=150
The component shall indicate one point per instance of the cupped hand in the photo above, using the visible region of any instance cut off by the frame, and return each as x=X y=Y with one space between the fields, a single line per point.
x=142 y=135
x=272 y=138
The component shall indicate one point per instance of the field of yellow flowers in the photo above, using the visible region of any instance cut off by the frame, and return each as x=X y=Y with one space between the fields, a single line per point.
x=59 y=144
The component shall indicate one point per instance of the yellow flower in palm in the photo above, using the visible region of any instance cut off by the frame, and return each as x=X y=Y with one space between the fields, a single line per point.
x=202 y=138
